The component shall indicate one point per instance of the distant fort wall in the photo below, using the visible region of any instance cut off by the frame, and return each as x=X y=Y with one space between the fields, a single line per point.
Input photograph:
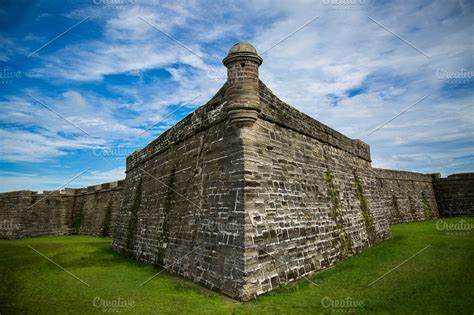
x=406 y=196
x=87 y=211
x=455 y=194
x=403 y=196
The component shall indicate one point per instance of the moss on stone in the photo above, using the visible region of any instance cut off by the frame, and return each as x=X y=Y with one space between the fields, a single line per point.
x=366 y=213
x=77 y=218
x=426 y=207
x=336 y=215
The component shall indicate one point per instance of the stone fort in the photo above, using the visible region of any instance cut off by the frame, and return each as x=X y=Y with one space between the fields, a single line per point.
x=244 y=194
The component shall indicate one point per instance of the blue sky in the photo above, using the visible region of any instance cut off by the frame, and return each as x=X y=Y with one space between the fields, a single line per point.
x=85 y=83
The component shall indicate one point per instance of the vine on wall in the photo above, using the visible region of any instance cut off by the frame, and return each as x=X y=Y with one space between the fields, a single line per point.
x=426 y=206
x=336 y=215
x=366 y=214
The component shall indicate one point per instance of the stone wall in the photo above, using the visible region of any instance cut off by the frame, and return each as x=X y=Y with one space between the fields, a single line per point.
x=89 y=211
x=455 y=194
x=311 y=197
x=95 y=209
x=244 y=182
x=182 y=209
x=208 y=200
x=29 y=213
x=406 y=196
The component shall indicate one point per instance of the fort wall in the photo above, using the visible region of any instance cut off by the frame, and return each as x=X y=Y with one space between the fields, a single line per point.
x=88 y=211
x=182 y=199
x=406 y=196
x=455 y=194
x=310 y=197
x=245 y=179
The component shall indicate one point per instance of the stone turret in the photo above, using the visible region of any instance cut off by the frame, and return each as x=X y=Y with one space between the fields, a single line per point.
x=242 y=64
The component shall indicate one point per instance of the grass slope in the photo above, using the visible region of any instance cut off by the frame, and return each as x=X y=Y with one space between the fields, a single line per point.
x=439 y=279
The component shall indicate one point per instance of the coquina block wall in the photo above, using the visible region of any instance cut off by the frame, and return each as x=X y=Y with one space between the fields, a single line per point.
x=89 y=211
x=311 y=196
x=29 y=213
x=95 y=209
x=455 y=194
x=183 y=201
x=407 y=196
x=247 y=193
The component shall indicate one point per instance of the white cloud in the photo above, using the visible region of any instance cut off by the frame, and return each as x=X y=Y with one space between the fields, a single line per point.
x=11 y=181
x=98 y=177
x=314 y=69
x=27 y=146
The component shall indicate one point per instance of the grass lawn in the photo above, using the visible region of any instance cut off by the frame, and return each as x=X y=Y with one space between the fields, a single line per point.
x=438 y=278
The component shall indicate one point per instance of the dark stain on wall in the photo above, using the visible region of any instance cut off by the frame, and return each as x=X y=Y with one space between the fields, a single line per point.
x=77 y=217
x=107 y=220
x=396 y=209
x=163 y=238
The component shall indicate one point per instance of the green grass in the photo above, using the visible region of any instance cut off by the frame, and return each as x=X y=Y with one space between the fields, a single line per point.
x=439 y=280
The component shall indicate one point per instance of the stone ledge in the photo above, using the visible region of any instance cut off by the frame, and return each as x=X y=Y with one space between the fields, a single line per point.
x=276 y=111
x=402 y=175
